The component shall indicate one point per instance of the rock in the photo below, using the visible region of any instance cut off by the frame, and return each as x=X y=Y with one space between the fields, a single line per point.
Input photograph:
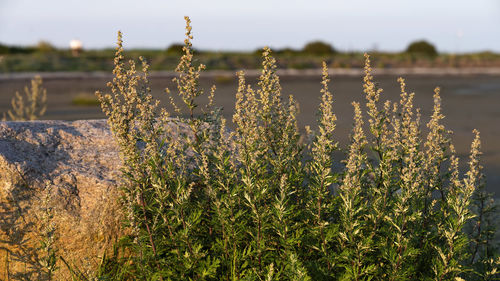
x=56 y=174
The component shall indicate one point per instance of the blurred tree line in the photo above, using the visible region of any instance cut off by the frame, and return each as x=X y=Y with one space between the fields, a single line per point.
x=44 y=56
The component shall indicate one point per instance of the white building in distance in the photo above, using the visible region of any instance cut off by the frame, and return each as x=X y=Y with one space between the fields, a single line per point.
x=76 y=47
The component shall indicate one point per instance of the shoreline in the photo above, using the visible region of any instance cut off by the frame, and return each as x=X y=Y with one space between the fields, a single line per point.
x=354 y=72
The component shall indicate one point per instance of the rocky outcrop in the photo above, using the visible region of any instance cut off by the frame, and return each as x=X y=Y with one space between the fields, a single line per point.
x=56 y=175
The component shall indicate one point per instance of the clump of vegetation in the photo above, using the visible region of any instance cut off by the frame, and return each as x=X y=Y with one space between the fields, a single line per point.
x=422 y=48
x=175 y=49
x=318 y=48
x=6 y=49
x=45 y=47
x=32 y=105
x=285 y=51
x=85 y=99
x=257 y=203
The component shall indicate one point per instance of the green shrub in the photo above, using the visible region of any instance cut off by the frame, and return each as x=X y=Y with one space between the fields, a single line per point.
x=422 y=48
x=175 y=49
x=45 y=47
x=5 y=49
x=318 y=48
x=287 y=51
x=262 y=203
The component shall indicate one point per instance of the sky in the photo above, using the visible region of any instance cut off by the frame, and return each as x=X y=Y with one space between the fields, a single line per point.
x=349 y=25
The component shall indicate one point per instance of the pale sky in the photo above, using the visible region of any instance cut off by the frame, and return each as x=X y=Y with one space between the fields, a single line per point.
x=387 y=25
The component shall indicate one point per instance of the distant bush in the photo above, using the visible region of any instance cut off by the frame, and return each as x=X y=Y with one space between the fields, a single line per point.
x=422 y=48
x=175 y=49
x=318 y=48
x=45 y=47
x=6 y=49
x=286 y=51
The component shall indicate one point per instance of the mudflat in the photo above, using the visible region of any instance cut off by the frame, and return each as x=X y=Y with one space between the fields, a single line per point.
x=470 y=100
